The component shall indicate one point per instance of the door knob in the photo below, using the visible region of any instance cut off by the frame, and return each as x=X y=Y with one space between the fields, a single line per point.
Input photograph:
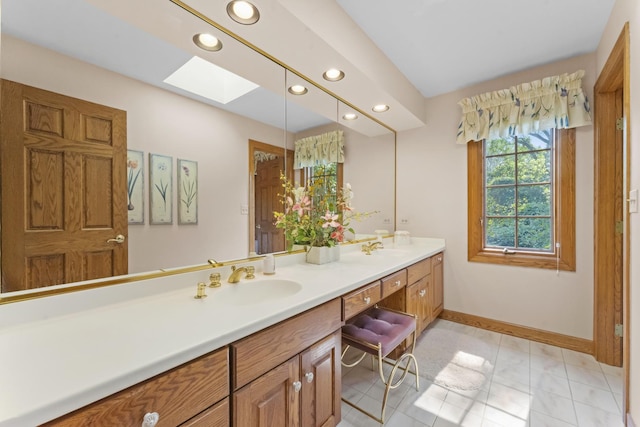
x=119 y=239
x=258 y=226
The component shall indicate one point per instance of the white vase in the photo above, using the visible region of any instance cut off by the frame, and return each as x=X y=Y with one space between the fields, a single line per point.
x=323 y=254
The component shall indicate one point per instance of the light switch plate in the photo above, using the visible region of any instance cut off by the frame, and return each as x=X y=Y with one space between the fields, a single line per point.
x=633 y=201
x=244 y=209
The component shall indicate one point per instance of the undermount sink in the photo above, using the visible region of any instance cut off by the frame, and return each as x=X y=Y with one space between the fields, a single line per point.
x=248 y=292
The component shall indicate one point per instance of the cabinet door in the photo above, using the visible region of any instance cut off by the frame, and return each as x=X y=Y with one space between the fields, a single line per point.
x=437 y=300
x=271 y=400
x=418 y=302
x=321 y=383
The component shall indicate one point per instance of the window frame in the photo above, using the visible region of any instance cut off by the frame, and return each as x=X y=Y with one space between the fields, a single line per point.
x=564 y=210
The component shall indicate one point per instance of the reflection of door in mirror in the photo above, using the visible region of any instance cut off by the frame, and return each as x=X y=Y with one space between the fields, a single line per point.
x=266 y=164
x=63 y=194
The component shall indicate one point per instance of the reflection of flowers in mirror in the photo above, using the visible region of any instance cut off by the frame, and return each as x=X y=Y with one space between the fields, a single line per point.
x=132 y=165
x=314 y=216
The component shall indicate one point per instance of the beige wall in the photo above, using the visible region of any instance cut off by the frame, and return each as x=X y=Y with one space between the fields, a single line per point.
x=629 y=11
x=164 y=123
x=432 y=198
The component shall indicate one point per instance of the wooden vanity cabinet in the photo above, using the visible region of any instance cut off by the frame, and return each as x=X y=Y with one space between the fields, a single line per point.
x=177 y=396
x=290 y=374
x=424 y=293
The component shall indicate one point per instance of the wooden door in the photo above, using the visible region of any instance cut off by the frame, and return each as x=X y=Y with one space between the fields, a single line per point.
x=268 y=189
x=63 y=188
x=437 y=300
x=270 y=400
x=321 y=383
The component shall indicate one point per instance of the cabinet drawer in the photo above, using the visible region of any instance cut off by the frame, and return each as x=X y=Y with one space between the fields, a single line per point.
x=264 y=350
x=418 y=270
x=393 y=283
x=176 y=395
x=216 y=416
x=360 y=299
x=437 y=259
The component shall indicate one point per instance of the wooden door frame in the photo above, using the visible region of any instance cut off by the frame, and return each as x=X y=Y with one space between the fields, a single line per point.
x=267 y=148
x=614 y=76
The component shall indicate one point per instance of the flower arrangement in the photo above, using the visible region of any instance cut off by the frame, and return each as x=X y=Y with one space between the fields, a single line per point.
x=316 y=217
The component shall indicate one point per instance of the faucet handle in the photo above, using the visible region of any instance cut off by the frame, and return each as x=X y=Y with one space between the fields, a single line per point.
x=250 y=272
x=214 y=280
x=201 y=291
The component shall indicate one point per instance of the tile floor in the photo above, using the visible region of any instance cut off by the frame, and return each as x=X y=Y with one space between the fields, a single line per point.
x=531 y=385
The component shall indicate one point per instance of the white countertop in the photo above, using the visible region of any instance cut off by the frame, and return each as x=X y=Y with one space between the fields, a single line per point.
x=63 y=352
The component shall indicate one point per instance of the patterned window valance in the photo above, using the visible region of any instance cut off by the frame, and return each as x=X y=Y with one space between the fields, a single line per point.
x=261 y=156
x=319 y=150
x=553 y=102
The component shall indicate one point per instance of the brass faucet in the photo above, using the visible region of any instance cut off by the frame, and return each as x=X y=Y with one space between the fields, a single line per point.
x=367 y=248
x=236 y=272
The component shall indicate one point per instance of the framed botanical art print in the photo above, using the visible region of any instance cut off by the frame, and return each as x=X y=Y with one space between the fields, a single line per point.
x=135 y=187
x=160 y=189
x=187 y=192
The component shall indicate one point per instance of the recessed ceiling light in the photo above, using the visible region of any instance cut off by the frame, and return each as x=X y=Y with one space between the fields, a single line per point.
x=207 y=42
x=380 y=108
x=333 y=75
x=243 y=12
x=297 y=90
x=350 y=116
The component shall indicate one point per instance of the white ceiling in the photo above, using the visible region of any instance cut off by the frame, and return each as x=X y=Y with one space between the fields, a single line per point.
x=390 y=55
x=445 y=45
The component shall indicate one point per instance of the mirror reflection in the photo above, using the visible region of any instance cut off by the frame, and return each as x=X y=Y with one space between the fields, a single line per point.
x=113 y=55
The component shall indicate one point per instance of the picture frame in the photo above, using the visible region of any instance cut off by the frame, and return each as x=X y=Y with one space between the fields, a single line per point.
x=187 y=172
x=135 y=187
x=160 y=189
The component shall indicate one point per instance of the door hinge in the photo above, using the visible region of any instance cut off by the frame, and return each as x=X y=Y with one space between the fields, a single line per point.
x=620 y=123
x=618 y=330
x=619 y=227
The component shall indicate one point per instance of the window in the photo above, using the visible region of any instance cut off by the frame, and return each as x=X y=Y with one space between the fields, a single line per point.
x=521 y=193
x=328 y=176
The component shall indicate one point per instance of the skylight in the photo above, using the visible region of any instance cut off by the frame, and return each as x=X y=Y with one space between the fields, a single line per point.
x=203 y=78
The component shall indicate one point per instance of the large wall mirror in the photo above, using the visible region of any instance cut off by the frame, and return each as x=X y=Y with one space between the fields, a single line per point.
x=120 y=54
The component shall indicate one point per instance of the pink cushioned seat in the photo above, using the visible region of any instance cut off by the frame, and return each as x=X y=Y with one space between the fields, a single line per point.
x=378 y=326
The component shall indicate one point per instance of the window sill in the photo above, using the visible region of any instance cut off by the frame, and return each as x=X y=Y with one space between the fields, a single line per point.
x=521 y=259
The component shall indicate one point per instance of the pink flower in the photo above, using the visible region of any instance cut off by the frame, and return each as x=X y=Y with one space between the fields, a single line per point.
x=331 y=220
x=302 y=205
x=338 y=234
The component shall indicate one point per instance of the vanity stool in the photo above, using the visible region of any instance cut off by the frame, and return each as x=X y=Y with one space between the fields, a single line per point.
x=377 y=332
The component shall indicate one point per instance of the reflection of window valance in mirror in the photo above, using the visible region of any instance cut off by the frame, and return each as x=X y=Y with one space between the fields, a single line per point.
x=319 y=150
x=553 y=102
x=261 y=156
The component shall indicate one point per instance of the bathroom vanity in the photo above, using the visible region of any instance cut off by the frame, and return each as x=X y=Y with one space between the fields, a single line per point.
x=259 y=352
